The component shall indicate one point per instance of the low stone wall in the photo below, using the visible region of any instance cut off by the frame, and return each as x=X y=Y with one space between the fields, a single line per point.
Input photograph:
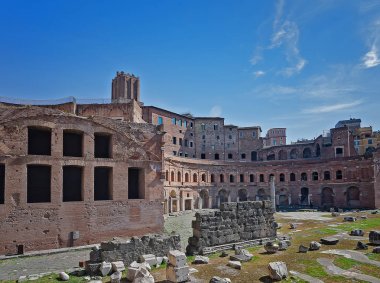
x=234 y=222
x=129 y=250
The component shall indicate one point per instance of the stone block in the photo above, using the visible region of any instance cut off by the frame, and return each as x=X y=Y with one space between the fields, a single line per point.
x=201 y=260
x=303 y=249
x=314 y=246
x=374 y=237
x=177 y=274
x=92 y=268
x=105 y=268
x=234 y=264
x=376 y=250
x=361 y=246
x=282 y=245
x=217 y=279
x=357 y=232
x=116 y=277
x=63 y=276
x=149 y=258
x=118 y=266
x=329 y=241
x=349 y=218
x=177 y=258
x=143 y=276
x=278 y=270
x=271 y=247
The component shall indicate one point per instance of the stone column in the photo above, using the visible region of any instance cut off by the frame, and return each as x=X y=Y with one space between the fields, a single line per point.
x=290 y=199
x=273 y=193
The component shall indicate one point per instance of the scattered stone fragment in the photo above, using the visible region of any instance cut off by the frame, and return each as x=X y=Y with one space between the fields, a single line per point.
x=374 y=237
x=329 y=241
x=22 y=278
x=293 y=225
x=224 y=254
x=303 y=249
x=92 y=268
x=116 y=277
x=118 y=266
x=177 y=269
x=64 y=276
x=314 y=246
x=192 y=270
x=282 y=246
x=271 y=247
x=349 y=218
x=361 y=246
x=105 y=268
x=376 y=250
x=364 y=217
x=234 y=264
x=149 y=258
x=201 y=259
x=357 y=232
x=278 y=270
x=335 y=214
x=33 y=277
x=217 y=279
x=143 y=276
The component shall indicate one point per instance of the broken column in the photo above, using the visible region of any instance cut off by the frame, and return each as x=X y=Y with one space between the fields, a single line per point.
x=273 y=193
x=177 y=269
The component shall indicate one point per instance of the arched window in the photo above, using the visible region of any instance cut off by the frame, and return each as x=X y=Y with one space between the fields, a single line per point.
x=306 y=153
x=261 y=177
x=292 y=177
x=186 y=177
x=326 y=175
x=203 y=177
x=315 y=176
x=232 y=178
x=212 y=178
x=282 y=177
x=172 y=176
x=271 y=156
x=195 y=178
x=221 y=178
x=303 y=176
x=179 y=177
x=282 y=155
x=251 y=178
x=293 y=154
x=271 y=176
x=339 y=175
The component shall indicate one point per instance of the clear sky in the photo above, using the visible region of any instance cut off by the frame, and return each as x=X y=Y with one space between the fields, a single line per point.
x=299 y=64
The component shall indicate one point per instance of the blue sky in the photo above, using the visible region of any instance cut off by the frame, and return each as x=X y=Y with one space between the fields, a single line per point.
x=298 y=64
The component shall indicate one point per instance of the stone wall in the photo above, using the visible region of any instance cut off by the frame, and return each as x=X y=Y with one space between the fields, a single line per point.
x=234 y=222
x=129 y=250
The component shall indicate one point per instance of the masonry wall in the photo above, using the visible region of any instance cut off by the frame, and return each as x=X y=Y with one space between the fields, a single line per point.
x=51 y=224
x=234 y=222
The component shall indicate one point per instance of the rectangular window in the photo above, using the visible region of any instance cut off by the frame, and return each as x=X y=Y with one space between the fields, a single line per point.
x=160 y=121
x=179 y=123
x=186 y=155
x=191 y=124
x=2 y=183
x=254 y=134
x=230 y=137
x=180 y=141
x=230 y=156
x=216 y=156
x=38 y=183
x=180 y=153
x=241 y=178
x=203 y=156
x=191 y=144
x=185 y=124
x=174 y=153
x=241 y=134
x=215 y=127
x=243 y=156
x=102 y=183
x=186 y=142
x=369 y=141
x=72 y=144
x=203 y=127
x=39 y=141
x=102 y=147
x=174 y=140
x=203 y=137
x=339 y=151
x=72 y=183
x=174 y=121
x=135 y=183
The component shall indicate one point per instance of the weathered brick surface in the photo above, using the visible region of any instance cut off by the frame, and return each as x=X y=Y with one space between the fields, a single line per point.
x=50 y=224
x=234 y=222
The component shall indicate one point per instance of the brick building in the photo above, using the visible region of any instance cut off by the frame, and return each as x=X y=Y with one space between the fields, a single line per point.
x=73 y=173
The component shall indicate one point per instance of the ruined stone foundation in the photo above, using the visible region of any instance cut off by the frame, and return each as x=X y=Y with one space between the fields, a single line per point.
x=234 y=222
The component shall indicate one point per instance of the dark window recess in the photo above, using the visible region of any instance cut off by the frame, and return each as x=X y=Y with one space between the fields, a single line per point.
x=39 y=141
x=2 y=183
x=38 y=183
x=216 y=156
x=241 y=178
x=102 y=183
x=292 y=177
x=203 y=156
x=72 y=183
x=72 y=144
x=102 y=146
x=134 y=183
x=230 y=156
x=261 y=177
x=251 y=178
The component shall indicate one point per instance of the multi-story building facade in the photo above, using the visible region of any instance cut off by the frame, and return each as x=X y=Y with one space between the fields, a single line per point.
x=66 y=167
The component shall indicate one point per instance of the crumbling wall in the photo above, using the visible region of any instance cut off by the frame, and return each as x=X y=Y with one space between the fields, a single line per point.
x=234 y=222
x=129 y=250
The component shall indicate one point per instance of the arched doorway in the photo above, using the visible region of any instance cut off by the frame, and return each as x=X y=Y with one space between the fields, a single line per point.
x=304 y=200
x=327 y=198
x=204 y=199
x=173 y=206
x=222 y=196
x=353 y=197
x=261 y=195
x=243 y=195
x=254 y=156
x=283 y=198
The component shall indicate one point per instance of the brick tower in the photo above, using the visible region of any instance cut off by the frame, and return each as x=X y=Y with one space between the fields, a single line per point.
x=125 y=87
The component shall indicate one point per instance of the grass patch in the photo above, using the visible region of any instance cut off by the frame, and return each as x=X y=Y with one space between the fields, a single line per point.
x=346 y=263
x=313 y=268
x=373 y=256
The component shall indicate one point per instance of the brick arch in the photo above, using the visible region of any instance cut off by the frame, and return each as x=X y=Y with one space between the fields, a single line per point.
x=243 y=195
x=282 y=154
x=353 y=196
x=327 y=197
x=293 y=153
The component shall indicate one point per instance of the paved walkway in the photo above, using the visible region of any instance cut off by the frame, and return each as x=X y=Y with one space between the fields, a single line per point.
x=12 y=269
x=355 y=255
x=305 y=277
x=335 y=270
